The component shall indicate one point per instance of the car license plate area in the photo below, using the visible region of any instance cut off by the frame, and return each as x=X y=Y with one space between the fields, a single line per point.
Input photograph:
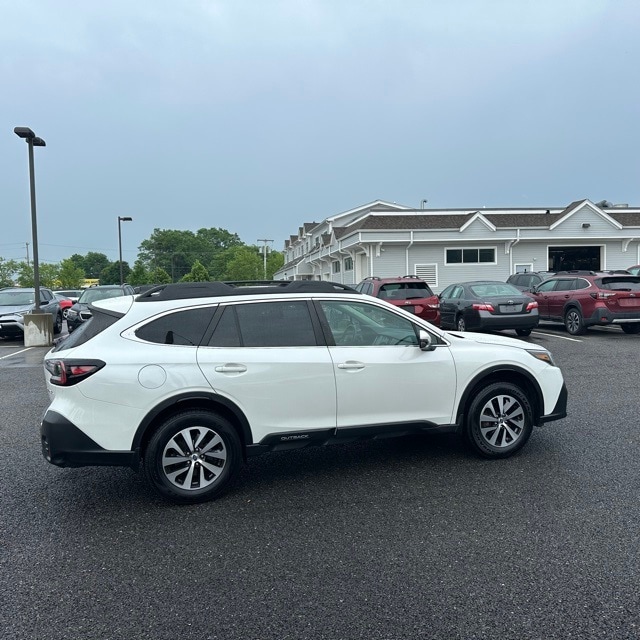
x=510 y=308
x=629 y=302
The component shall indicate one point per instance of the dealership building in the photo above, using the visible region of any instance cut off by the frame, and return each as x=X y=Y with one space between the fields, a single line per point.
x=444 y=246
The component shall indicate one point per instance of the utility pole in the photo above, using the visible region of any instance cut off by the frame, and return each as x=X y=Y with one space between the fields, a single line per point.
x=264 y=254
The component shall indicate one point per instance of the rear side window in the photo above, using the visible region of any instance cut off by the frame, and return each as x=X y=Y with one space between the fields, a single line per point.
x=182 y=327
x=265 y=324
x=96 y=324
x=566 y=285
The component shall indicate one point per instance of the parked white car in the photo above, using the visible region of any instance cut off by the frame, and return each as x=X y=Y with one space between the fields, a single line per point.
x=189 y=379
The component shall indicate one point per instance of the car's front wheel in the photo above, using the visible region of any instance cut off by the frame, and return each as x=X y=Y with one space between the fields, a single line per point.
x=499 y=420
x=192 y=456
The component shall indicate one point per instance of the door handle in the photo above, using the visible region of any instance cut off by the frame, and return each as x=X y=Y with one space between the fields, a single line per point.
x=231 y=368
x=351 y=365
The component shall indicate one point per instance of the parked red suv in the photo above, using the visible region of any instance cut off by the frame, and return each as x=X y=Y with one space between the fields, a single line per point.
x=408 y=292
x=584 y=298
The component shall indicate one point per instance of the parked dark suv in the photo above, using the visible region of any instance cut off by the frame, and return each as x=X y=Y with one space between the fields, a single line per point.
x=584 y=298
x=408 y=292
x=80 y=311
x=527 y=280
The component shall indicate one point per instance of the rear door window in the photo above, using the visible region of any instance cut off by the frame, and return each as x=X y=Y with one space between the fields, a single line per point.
x=265 y=324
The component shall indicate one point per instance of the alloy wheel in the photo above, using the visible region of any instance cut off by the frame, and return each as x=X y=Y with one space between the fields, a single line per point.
x=502 y=421
x=194 y=458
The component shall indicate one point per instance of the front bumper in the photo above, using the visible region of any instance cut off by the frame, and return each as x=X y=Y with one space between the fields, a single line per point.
x=64 y=445
x=560 y=410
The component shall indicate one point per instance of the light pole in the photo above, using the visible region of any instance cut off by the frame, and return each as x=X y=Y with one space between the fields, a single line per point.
x=121 y=219
x=33 y=141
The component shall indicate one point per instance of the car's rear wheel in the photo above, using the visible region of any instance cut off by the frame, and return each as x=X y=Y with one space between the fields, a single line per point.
x=57 y=325
x=499 y=421
x=574 y=323
x=523 y=332
x=461 y=324
x=192 y=456
x=631 y=328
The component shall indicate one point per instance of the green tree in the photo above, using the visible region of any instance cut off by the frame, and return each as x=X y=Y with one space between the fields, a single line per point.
x=242 y=263
x=198 y=273
x=111 y=273
x=8 y=269
x=139 y=275
x=176 y=251
x=47 y=271
x=78 y=260
x=70 y=275
x=95 y=263
x=159 y=276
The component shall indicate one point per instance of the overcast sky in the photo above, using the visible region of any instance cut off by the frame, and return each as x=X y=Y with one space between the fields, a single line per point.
x=259 y=115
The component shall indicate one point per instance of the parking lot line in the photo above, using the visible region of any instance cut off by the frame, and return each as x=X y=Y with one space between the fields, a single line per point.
x=15 y=353
x=555 y=335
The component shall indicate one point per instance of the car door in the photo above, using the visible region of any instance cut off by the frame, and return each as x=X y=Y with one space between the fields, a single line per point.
x=557 y=299
x=449 y=304
x=382 y=376
x=542 y=295
x=268 y=359
x=48 y=303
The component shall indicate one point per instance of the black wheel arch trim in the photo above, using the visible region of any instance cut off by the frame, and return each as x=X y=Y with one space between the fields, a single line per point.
x=181 y=401
x=491 y=372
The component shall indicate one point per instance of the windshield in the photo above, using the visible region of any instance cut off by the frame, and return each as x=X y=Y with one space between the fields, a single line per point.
x=16 y=298
x=91 y=295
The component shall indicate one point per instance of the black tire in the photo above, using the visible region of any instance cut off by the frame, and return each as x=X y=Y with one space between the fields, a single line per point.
x=506 y=406
x=631 y=328
x=461 y=325
x=57 y=324
x=204 y=467
x=573 y=322
x=523 y=332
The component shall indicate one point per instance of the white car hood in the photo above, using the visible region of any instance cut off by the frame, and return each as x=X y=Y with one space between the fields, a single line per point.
x=489 y=338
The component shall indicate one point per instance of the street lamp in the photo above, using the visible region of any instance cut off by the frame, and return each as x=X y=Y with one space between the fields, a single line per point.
x=121 y=219
x=33 y=141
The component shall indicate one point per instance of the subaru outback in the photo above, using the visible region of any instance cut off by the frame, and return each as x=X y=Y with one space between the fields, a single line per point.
x=188 y=380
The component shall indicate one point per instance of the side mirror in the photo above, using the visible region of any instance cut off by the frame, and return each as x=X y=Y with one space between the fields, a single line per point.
x=425 y=341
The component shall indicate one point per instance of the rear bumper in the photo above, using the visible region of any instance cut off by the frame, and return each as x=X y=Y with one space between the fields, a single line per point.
x=64 y=445
x=604 y=316
x=560 y=410
x=525 y=321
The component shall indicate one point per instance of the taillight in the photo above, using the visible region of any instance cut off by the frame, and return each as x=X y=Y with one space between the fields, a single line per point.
x=66 y=373
x=602 y=295
x=532 y=305
x=482 y=306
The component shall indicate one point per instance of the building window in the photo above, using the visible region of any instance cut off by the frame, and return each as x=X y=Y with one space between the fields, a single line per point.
x=481 y=255
x=348 y=264
x=336 y=267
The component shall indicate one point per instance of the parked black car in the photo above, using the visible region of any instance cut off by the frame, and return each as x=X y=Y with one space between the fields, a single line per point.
x=487 y=304
x=526 y=280
x=80 y=311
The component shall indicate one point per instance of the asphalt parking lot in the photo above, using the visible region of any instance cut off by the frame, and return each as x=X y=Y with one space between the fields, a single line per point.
x=392 y=539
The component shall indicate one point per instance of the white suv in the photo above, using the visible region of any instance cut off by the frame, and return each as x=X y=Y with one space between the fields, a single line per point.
x=189 y=379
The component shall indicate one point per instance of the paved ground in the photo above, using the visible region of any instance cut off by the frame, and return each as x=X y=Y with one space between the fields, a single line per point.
x=407 y=538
